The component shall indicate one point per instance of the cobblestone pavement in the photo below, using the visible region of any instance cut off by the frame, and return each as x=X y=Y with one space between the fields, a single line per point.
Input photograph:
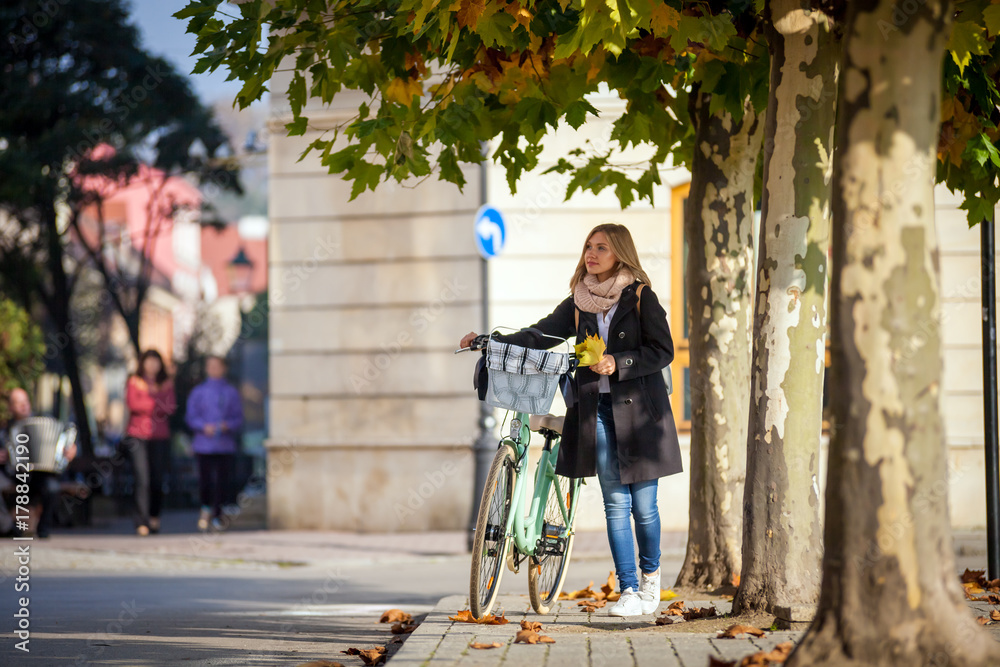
x=581 y=639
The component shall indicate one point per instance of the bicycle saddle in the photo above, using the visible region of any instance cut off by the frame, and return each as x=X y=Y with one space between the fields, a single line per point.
x=550 y=422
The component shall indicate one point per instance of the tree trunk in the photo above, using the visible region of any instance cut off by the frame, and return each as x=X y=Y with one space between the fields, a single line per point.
x=890 y=592
x=718 y=223
x=58 y=305
x=782 y=544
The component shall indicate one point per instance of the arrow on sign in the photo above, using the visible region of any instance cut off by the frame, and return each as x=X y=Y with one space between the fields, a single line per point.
x=488 y=229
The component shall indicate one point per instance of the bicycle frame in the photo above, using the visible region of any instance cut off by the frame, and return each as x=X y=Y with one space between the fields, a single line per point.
x=526 y=530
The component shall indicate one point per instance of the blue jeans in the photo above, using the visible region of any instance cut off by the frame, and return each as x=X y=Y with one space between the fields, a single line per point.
x=622 y=500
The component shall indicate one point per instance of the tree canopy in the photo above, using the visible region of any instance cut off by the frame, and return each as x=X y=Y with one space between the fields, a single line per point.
x=440 y=78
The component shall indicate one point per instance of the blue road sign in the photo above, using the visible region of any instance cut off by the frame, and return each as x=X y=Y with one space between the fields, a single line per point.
x=491 y=233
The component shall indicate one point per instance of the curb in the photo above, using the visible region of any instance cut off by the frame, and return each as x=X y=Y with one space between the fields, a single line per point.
x=423 y=642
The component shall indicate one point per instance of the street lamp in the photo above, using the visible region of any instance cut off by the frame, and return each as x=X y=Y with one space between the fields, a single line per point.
x=240 y=272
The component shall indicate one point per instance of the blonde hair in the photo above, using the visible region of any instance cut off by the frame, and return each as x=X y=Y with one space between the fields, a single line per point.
x=622 y=246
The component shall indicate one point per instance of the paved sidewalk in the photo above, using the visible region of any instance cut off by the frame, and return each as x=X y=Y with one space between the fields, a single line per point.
x=580 y=639
x=586 y=639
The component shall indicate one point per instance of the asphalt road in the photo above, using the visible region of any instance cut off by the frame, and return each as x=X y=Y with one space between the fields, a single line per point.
x=94 y=607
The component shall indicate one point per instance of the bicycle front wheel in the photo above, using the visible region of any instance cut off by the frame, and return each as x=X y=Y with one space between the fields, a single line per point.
x=548 y=567
x=489 y=547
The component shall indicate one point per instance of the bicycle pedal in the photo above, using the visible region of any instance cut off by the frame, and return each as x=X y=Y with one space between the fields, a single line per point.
x=553 y=540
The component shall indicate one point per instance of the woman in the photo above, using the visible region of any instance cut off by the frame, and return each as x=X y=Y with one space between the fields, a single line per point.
x=621 y=427
x=150 y=398
x=215 y=414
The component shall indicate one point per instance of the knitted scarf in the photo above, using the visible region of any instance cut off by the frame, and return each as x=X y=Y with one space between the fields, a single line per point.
x=592 y=296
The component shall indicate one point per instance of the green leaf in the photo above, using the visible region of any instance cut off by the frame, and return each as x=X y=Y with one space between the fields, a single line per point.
x=297 y=92
x=297 y=127
x=978 y=208
x=991 y=16
x=981 y=150
x=576 y=113
x=966 y=39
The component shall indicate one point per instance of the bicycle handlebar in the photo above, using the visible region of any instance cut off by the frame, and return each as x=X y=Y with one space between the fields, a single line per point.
x=478 y=343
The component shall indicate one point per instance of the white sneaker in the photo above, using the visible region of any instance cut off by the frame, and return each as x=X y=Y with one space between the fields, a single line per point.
x=649 y=592
x=628 y=604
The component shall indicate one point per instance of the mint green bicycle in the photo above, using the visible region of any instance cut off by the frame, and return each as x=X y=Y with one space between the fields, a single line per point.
x=506 y=535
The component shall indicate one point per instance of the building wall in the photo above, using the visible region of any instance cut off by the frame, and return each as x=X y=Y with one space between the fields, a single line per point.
x=372 y=416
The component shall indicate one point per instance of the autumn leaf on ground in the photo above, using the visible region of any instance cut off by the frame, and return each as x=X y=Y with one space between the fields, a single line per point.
x=982 y=620
x=321 y=663
x=587 y=592
x=534 y=626
x=993 y=586
x=735 y=580
x=775 y=656
x=532 y=637
x=608 y=588
x=403 y=628
x=735 y=630
x=974 y=577
x=700 y=612
x=465 y=616
x=666 y=595
x=480 y=645
x=590 y=606
x=395 y=616
x=590 y=351
x=972 y=589
x=371 y=656
x=669 y=620
x=675 y=609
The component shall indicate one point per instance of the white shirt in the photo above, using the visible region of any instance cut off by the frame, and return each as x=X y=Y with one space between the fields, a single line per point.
x=603 y=324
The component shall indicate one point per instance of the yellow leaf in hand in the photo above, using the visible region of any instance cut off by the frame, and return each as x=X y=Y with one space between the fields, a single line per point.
x=590 y=351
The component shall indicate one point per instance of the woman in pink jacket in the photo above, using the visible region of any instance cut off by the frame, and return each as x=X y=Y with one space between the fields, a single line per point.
x=150 y=397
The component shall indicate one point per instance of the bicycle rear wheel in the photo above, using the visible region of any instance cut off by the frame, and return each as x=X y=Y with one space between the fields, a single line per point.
x=489 y=547
x=548 y=568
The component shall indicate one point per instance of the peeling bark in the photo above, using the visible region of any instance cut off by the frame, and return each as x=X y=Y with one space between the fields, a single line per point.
x=890 y=594
x=782 y=544
x=718 y=224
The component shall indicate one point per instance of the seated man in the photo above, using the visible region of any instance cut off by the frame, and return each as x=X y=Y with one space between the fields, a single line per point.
x=43 y=487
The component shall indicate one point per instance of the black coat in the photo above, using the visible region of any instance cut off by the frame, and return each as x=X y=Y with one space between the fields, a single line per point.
x=640 y=342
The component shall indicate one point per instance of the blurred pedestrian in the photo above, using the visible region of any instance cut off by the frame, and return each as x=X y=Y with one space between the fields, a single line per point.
x=43 y=486
x=150 y=398
x=215 y=414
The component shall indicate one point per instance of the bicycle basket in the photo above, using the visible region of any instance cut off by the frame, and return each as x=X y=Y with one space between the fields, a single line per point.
x=523 y=379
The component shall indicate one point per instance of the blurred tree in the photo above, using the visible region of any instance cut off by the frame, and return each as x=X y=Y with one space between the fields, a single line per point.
x=74 y=78
x=22 y=352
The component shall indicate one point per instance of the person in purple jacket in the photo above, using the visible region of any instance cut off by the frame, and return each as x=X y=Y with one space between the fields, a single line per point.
x=215 y=414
